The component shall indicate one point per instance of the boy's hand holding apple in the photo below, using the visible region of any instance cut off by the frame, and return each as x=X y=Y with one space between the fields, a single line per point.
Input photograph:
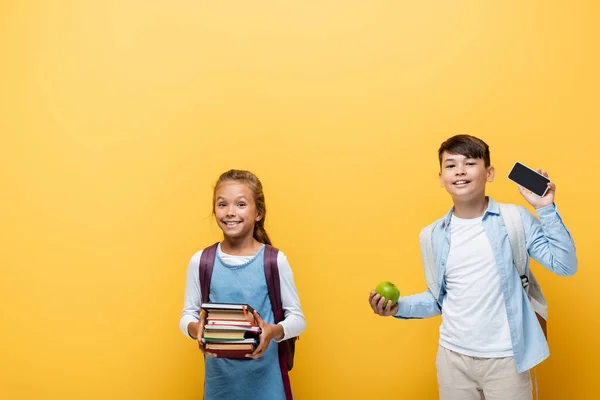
x=384 y=299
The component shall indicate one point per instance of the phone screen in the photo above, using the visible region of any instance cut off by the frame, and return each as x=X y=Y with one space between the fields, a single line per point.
x=529 y=179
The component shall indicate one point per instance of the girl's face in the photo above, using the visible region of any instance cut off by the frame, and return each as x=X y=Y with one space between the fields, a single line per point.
x=235 y=209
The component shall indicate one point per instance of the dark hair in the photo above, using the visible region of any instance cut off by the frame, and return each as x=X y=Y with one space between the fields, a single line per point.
x=468 y=146
x=253 y=183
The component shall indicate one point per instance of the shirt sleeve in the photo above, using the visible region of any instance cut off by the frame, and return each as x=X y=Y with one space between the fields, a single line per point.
x=548 y=240
x=422 y=305
x=294 y=322
x=192 y=301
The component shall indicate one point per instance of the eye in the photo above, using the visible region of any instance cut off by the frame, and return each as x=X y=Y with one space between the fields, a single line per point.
x=242 y=204
x=221 y=204
x=450 y=166
x=471 y=163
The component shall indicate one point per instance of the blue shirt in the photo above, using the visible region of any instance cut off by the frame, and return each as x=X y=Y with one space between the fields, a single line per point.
x=548 y=242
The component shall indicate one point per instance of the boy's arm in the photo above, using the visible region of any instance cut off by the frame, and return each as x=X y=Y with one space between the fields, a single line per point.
x=422 y=305
x=549 y=242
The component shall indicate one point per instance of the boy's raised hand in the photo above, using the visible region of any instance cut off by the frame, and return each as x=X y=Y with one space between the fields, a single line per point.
x=535 y=200
x=377 y=303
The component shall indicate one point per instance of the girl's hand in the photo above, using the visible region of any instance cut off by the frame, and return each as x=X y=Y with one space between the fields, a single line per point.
x=199 y=332
x=269 y=332
x=535 y=200
x=377 y=302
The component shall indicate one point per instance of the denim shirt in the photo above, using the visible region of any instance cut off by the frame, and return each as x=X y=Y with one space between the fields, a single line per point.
x=548 y=242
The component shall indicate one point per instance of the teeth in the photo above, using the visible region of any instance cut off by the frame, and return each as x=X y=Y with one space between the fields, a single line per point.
x=460 y=182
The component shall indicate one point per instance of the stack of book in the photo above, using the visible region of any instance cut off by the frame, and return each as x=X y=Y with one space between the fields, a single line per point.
x=230 y=330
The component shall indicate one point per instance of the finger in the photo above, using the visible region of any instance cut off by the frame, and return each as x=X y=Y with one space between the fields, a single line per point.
x=524 y=191
x=545 y=173
x=213 y=355
x=261 y=346
x=258 y=351
x=393 y=310
x=374 y=301
x=371 y=295
x=387 y=309
x=254 y=356
x=202 y=321
x=258 y=319
x=380 y=305
x=381 y=302
x=201 y=346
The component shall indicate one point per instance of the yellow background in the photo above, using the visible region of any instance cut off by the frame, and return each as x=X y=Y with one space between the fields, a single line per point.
x=118 y=116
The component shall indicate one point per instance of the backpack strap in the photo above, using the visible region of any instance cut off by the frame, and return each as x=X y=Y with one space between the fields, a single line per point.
x=516 y=236
x=429 y=260
x=273 y=282
x=274 y=289
x=207 y=262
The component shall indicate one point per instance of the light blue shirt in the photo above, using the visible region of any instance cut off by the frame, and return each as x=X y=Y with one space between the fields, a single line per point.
x=548 y=242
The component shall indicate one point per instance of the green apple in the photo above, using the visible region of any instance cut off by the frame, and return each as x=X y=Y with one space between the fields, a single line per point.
x=388 y=291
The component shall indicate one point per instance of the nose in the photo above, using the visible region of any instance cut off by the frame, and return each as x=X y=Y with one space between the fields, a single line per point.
x=231 y=211
x=460 y=170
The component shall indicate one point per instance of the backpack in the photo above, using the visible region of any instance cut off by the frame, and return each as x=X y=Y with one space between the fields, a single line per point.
x=286 y=348
x=516 y=236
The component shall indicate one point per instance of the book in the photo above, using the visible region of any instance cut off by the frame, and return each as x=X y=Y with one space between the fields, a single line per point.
x=229 y=311
x=235 y=351
x=228 y=306
x=230 y=315
x=229 y=322
x=226 y=332
x=230 y=330
x=217 y=346
x=251 y=341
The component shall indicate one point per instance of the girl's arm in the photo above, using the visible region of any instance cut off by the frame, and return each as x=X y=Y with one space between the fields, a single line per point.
x=294 y=322
x=192 y=301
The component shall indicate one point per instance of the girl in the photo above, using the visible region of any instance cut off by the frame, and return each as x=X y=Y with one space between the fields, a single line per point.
x=238 y=277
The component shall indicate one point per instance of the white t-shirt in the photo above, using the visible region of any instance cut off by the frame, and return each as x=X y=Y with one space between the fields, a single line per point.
x=474 y=321
x=294 y=322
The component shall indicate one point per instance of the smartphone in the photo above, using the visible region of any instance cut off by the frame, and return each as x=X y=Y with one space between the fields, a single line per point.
x=529 y=179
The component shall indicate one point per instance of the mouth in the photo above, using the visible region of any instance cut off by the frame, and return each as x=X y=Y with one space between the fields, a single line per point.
x=231 y=224
x=461 y=183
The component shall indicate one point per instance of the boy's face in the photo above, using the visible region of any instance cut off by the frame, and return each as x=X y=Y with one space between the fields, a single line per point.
x=464 y=178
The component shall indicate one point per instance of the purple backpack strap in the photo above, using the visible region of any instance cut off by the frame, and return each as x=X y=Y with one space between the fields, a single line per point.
x=273 y=282
x=274 y=288
x=207 y=262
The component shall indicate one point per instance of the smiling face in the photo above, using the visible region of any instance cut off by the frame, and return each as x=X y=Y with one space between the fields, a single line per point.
x=235 y=209
x=464 y=178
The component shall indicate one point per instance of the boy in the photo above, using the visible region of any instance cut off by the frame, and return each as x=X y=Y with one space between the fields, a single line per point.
x=490 y=336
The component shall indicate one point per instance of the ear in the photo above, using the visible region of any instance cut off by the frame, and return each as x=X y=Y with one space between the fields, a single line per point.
x=258 y=217
x=491 y=172
x=440 y=178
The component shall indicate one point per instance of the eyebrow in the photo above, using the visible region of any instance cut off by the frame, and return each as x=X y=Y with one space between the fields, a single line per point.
x=237 y=198
x=466 y=158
